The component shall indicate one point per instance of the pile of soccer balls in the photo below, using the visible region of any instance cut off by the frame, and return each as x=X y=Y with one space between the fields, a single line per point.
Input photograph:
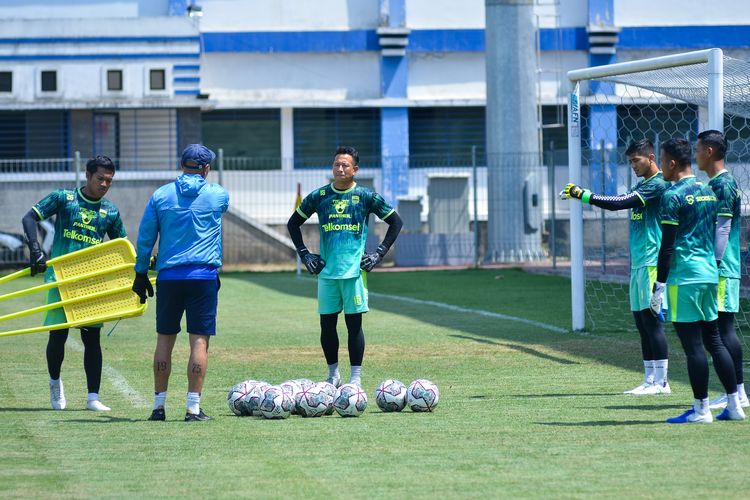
x=314 y=399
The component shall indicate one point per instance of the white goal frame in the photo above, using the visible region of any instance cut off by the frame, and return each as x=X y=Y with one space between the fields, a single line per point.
x=715 y=60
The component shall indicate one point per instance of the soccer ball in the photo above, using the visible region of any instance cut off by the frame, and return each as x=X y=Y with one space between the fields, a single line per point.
x=422 y=395
x=304 y=383
x=251 y=401
x=350 y=400
x=292 y=387
x=313 y=401
x=391 y=395
x=275 y=402
x=331 y=390
x=236 y=395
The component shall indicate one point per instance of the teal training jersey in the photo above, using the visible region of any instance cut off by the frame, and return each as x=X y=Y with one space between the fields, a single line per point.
x=729 y=197
x=691 y=205
x=343 y=225
x=645 y=226
x=80 y=222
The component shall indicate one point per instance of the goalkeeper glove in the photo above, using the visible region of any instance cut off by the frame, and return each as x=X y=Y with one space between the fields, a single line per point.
x=37 y=260
x=142 y=285
x=657 y=298
x=370 y=260
x=312 y=261
x=575 y=191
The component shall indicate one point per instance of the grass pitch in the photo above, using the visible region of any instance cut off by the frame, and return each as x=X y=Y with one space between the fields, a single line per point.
x=526 y=410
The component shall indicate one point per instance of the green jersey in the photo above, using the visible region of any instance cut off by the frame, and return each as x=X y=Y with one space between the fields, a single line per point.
x=343 y=225
x=80 y=222
x=729 y=197
x=645 y=226
x=691 y=205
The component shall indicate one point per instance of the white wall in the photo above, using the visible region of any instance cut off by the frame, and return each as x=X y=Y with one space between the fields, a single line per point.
x=454 y=75
x=288 y=15
x=43 y=9
x=264 y=80
x=442 y=14
x=681 y=12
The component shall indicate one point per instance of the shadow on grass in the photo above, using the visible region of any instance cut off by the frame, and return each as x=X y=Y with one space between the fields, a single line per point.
x=103 y=419
x=600 y=423
x=520 y=348
x=36 y=409
x=566 y=395
x=646 y=407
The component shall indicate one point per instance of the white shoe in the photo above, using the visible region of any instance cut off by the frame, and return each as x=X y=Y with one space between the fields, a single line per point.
x=335 y=381
x=356 y=381
x=637 y=391
x=744 y=403
x=655 y=389
x=719 y=403
x=96 y=405
x=692 y=417
x=57 y=395
x=731 y=414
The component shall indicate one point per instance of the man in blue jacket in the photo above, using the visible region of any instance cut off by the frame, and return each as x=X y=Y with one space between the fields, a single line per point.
x=186 y=217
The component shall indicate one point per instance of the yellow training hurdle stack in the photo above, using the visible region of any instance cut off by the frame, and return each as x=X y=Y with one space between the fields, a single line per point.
x=94 y=284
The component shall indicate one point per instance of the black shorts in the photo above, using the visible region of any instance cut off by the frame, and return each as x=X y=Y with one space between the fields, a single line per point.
x=197 y=298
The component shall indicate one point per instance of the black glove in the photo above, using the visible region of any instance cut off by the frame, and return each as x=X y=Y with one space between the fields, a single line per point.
x=37 y=260
x=312 y=261
x=370 y=260
x=142 y=285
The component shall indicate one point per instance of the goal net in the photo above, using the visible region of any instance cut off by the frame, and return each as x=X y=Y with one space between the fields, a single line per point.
x=657 y=99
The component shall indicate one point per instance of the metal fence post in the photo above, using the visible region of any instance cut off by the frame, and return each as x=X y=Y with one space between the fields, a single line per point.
x=220 y=165
x=77 y=163
x=552 y=194
x=476 y=204
x=603 y=191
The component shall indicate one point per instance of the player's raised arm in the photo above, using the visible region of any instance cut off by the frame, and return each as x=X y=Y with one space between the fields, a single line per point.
x=618 y=202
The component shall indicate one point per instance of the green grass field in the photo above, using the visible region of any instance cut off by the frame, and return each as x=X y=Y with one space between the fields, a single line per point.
x=526 y=409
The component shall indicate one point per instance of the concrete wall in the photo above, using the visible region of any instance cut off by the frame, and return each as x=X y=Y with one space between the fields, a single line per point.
x=43 y=9
x=681 y=12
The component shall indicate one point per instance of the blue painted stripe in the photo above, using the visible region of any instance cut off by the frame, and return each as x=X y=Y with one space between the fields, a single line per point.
x=186 y=67
x=100 y=39
x=684 y=37
x=187 y=92
x=291 y=41
x=186 y=79
x=53 y=57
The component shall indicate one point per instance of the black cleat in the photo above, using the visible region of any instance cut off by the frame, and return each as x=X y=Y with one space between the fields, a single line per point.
x=200 y=417
x=158 y=414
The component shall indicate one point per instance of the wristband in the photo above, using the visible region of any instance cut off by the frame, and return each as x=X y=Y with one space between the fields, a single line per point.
x=586 y=196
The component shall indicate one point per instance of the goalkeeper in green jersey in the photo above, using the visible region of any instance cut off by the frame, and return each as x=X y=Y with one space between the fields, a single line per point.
x=343 y=208
x=709 y=154
x=645 y=237
x=83 y=218
x=687 y=271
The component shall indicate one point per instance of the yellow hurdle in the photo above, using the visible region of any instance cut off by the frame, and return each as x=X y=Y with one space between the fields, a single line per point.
x=94 y=284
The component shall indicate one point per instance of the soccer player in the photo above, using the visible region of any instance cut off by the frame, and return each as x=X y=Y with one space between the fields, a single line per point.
x=185 y=216
x=84 y=217
x=709 y=154
x=343 y=208
x=687 y=270
x=645 y=238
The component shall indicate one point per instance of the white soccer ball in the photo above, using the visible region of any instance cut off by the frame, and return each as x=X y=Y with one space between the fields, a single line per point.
x=292 y=387
x=304 y=383
x=251 y=401
x=391 y=395
x=331 y=390
x=275 y=403
x=236 y=396
x=350 y=401
x=422 y=395
x=313 y=401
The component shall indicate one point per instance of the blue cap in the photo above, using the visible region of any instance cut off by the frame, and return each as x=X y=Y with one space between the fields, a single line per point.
x=197 y=156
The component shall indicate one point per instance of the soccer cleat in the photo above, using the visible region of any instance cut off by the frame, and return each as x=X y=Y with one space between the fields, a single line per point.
x=718 y=403
x=655 y=389
x=96 y=405
x=57 y=395
x=335 y=381
x=158 y=415
x=356 y=381
x=197 y=417
x=638 y=390
x=731 y=414
x=691 y=417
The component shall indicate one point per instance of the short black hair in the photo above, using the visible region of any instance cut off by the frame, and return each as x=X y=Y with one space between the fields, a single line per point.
x=677 y=150
x=642 y=147
x=99 y=161
x=348 y=150
x=715 y=140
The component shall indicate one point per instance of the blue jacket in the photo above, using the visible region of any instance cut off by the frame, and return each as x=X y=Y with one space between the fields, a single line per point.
x=186 y=216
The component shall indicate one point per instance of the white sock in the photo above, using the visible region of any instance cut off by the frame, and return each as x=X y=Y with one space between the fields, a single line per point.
x=93 y=396
x=160 y=399
x=54 y=381
x=333 y=371
x=701 y=406
x=648 y=368
x=356 y=377
x=660 y=371
x=733 y=401
x=741 y=391
x=194 y=402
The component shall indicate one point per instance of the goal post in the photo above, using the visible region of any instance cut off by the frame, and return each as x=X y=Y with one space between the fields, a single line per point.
x=712 y=69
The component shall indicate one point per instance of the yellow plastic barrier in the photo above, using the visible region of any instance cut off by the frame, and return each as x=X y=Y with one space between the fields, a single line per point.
x=94 y=284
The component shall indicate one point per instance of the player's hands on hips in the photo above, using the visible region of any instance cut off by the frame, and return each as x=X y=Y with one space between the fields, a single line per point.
x=142 y=286
x=571 y=191
x=37 y=260
x=312 y=261
x=657 y=298
x=370 y=260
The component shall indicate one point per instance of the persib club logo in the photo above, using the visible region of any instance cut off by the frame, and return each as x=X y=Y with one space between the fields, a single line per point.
x=87 y=215
x=340 y=206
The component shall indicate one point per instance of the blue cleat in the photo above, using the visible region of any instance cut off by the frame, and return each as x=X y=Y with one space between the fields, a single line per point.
x=731 y=414
x=691 y=417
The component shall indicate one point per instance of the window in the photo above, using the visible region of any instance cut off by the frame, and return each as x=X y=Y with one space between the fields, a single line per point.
x=443 y=137
x=6 y=81
x=250 y=138
x=49 y=81
x=157 y=79
x=114 y=79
